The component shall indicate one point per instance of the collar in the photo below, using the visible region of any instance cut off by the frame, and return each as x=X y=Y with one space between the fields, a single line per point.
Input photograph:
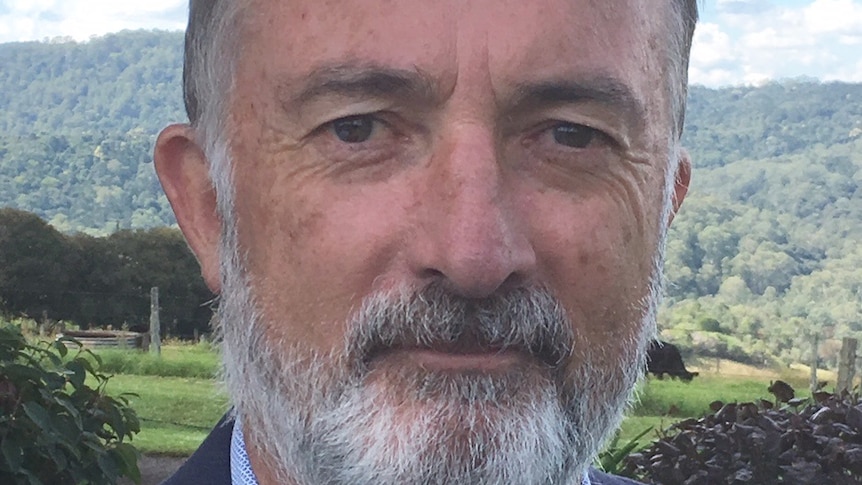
x=240 y=466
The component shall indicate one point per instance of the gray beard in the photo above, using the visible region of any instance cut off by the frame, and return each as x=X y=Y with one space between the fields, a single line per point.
x=331 y=419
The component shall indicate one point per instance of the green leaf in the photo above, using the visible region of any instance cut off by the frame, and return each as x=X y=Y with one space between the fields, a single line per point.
x=69 y=406
x=60 y=347
x=13 y=454
x=76 y=373
x=54 y=380
x=128 y=458
x=38 y=415
x=116 y=420
x=611 y=460
x=62 y=430
x=18 y=372
x=109 y=466
x=68 y=432
x=88 y=366
x=56 y=361
x=31 y=478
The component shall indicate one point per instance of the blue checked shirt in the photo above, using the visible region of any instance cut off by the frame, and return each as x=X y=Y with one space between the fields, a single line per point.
x=240 y=466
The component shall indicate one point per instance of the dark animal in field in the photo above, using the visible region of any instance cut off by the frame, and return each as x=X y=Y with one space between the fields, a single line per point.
x=664 y=358
x=781 y=390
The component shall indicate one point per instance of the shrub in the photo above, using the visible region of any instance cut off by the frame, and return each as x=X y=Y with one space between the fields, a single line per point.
x=709 y=324
x=54 y=428
x=756 y=443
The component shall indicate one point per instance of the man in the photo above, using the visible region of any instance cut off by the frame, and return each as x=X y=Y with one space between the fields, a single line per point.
x=436 y=229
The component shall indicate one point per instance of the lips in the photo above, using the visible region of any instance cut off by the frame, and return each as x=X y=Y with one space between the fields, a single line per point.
x=462 y=362
x=467 y=352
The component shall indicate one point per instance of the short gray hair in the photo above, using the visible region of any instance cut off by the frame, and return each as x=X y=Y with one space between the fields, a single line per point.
x=683 y=19
x=208 y=77
x=212 y=33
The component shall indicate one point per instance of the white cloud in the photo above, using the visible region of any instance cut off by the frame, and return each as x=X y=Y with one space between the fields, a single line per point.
x=756 y=78
x=833 y=16
x=712 y=77
x=850 y=39
x=771 y=38
x=711 y=46
x=749 y=41
x=846 y=73
x=23 y=20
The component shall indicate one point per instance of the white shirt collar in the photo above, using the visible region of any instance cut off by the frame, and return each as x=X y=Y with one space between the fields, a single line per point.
x=240 y=466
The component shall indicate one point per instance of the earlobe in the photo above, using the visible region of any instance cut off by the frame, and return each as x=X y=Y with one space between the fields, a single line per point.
x=183 y=171
x=682 y=179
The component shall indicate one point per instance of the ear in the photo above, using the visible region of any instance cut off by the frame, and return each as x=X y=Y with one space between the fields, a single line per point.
x=184 y=174
x=682 y=178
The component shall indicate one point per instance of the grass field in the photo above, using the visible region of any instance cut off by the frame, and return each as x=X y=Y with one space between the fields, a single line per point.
x=176 y=360
x=178 y=411
x=177 y=397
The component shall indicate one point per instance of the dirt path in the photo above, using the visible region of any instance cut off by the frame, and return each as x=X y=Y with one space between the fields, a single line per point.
x=156 y=468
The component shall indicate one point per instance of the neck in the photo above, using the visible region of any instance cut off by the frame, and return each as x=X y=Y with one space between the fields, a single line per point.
x=262 y=466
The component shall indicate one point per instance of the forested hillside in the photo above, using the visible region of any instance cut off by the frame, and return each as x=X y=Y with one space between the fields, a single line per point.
x=765 y=254
x=77 y=125
x=767 y=251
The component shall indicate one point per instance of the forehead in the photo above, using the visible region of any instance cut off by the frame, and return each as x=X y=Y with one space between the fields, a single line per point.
x=483 y=44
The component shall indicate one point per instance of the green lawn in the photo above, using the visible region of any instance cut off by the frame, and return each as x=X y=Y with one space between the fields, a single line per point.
x=176 y=413
x=176 y=360
x=178 y=400
x=657 y=398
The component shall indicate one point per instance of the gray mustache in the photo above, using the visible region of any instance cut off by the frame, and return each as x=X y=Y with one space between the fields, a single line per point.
x=528 y=320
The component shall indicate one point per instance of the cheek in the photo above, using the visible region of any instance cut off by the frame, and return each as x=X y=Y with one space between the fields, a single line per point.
x=314 y=253
x=598 y=259
x=275 y=234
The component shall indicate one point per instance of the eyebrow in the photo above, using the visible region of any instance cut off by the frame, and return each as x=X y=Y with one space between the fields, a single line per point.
x=606 y=91
x=362 y=81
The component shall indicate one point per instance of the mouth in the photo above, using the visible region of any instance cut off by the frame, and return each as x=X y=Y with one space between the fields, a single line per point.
x=465 y=355
x=453 y=360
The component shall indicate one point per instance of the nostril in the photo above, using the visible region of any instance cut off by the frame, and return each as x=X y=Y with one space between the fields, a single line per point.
x=513 y=281
x=432 y=275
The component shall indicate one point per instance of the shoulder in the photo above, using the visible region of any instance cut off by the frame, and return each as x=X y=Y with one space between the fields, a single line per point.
x=210 y=464
x=601 y=478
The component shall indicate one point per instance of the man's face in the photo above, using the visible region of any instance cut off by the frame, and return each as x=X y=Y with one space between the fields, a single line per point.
x=480 y=149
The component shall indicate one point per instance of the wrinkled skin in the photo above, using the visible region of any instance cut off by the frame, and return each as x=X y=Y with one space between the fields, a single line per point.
x=519 y=144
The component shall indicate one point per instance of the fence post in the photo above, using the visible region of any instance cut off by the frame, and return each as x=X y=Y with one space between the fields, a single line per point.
x=814 y=359
x=846 y=365
x=155 y=339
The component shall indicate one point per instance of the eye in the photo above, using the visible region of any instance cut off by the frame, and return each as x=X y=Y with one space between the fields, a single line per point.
x=354 y=129
x=574 y=136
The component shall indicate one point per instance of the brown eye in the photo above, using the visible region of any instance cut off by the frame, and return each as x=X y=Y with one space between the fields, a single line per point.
x=574 y=136
x=353 y=129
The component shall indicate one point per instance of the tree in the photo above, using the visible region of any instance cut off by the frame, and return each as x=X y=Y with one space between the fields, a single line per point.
x=34 y=266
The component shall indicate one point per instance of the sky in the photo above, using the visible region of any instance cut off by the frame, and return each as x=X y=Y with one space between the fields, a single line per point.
x=736 y=42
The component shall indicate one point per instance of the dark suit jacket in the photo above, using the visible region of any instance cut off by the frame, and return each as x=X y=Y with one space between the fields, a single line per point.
x=210 y=464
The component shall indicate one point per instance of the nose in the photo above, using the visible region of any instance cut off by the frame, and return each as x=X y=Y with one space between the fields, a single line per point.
x=472 y=237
